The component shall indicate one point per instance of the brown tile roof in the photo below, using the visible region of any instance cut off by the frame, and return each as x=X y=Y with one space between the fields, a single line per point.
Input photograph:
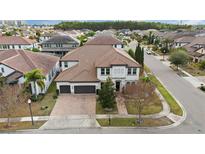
x=90 y=57
x=25 y=61
x=198 y=40
x=104 y=40
x=186 y=39
x=15 y=40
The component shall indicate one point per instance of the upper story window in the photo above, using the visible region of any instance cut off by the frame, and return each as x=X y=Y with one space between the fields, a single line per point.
x=105 y=71
x=19 y=46
x=65 y=64
x=2 y=70
x=59 y=45
x=129 y=72
x=4 y=46
x=47 y=45
x=132 y=71
x=13 y=46
x=102 y=71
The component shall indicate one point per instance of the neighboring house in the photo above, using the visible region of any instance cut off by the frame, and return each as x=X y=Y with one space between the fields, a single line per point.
x=46 y=36
x=14 y=64
x=86 y=68
x=16 y=42
x=106 y=40
x=59 y=45
x=196 y=49
x=182 y=41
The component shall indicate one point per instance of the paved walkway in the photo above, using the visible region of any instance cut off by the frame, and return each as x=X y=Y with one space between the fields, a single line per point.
x=22 y=119
x=121 y=107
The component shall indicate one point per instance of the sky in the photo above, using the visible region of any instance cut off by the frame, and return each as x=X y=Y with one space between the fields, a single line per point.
x=52 y=22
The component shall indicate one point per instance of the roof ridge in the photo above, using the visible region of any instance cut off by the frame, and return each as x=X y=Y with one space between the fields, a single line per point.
x=11 y=57
x=28 y=60
x=118 y=51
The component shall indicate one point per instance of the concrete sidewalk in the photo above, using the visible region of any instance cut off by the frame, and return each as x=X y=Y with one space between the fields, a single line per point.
x=22 y=119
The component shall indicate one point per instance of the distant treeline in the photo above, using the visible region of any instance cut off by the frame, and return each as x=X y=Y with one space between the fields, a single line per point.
x=132 y=25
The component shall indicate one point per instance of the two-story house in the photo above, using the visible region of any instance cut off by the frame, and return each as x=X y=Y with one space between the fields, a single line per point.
x=86 y=68
x=16 y=42
x=14 y=64
x=59 y=45
x=196 y=49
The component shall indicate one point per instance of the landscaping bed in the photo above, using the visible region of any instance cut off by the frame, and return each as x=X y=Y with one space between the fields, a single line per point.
x=131 y=122
x=100 y=110
x=42 y=107
x=149 y=108
x=21 y=125
x=193 y=69
x=174 y=106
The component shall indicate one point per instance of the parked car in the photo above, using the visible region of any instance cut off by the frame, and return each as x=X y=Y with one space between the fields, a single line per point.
x=148 y=52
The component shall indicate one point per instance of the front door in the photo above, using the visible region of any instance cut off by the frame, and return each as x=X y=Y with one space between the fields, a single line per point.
x=117 y=85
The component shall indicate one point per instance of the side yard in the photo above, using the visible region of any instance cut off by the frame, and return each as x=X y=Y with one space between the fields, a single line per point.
x=43 y=107
x=174 y=106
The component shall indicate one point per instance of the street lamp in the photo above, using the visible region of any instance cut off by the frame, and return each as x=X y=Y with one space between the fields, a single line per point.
x=164 y=54
x=29 y=104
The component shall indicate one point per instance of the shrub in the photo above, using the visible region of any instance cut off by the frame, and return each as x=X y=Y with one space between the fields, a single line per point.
x=202 y=65
x=55 y=96
x=202 y=88
x=154 y=48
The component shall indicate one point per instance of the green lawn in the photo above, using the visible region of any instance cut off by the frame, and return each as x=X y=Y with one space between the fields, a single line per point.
x=22 y=109
x=20 y=125
x=100 y=110
x=149 y=108
x=174 y=106
x=131 y=122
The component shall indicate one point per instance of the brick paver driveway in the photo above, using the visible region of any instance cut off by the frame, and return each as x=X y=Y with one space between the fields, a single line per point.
x=75 y=104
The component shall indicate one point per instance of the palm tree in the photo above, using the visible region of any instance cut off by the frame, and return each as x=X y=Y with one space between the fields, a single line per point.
x=37 y=78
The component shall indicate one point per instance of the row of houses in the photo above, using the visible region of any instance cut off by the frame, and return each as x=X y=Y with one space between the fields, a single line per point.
x=55 y=44
x=194 y=45
x=82 y=70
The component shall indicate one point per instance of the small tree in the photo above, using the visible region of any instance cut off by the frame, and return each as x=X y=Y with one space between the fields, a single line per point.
x=107 y=94
x=140 y=94
x=138 y=53
x=10 y=96
x=37 y=78
x=131 y=53
x=178 y=58
x=142 y=57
